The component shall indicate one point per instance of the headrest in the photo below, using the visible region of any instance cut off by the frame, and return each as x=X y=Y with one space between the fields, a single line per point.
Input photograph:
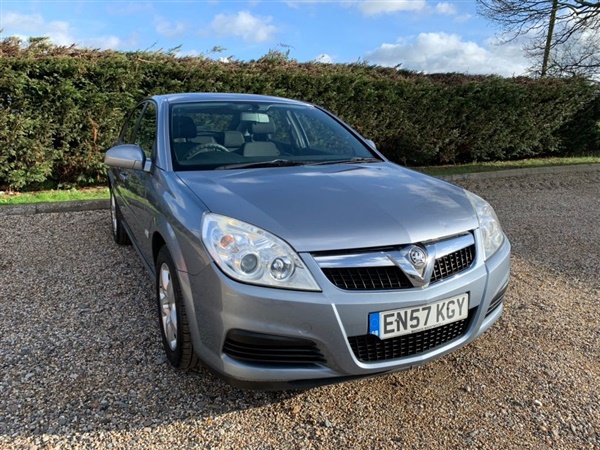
x=263 y=128
x=233 y=139
x=183 y=127
x=260 y=149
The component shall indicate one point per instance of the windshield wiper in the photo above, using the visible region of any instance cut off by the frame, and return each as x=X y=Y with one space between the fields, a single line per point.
x=289 y=163
x=357 y=160
x=258 y=164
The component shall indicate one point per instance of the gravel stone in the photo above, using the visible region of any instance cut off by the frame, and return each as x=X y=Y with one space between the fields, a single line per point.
x=82 y=365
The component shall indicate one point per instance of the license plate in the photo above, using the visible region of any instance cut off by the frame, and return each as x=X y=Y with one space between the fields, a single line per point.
x=398 y=322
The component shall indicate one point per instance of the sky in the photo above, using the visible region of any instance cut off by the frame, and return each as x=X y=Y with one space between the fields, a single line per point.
x=422 y=35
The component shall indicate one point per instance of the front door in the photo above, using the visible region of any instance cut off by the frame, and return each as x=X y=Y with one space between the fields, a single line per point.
x=141 y=211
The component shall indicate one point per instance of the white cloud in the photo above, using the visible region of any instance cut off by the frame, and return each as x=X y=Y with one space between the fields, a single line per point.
x=102 y=42
x=379 y=7
x=170 y=29
x=243 y=24
x=26 y=22
x=59 y=32
x=324 y=58
x=463 y=18
x=376 y=7
x=441 y=52
x=445 y=8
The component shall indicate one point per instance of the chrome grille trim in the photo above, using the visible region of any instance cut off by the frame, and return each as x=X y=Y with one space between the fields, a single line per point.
x=375 y=259
x=381 y=259
x=447 y=246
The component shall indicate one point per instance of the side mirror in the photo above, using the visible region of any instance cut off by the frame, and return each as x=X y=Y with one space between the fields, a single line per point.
x=371 y=143
x=126 y=156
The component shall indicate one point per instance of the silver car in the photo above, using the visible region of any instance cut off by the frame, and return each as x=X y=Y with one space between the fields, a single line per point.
x=288 y=252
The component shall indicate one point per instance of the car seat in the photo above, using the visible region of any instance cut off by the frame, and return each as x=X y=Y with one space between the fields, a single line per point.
x=260 y=146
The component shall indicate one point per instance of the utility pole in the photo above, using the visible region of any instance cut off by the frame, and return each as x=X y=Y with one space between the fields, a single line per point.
x=549 y=38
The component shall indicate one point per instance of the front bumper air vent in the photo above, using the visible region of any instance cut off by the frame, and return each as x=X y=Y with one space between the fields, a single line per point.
x=271 y=349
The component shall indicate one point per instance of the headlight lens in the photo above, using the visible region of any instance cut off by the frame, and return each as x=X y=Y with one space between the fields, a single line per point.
x=253 y=255
x=491 y=232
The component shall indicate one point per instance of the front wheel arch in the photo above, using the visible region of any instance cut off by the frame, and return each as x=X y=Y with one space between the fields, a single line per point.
x=157 y=244
x=172 y=314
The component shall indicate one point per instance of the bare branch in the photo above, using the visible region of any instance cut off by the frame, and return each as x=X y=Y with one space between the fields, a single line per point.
x=570 y=45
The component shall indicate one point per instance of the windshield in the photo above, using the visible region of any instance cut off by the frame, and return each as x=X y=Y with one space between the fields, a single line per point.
x=208 y=136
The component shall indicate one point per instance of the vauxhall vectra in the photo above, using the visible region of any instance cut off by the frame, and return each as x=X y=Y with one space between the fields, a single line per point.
x=288 y=252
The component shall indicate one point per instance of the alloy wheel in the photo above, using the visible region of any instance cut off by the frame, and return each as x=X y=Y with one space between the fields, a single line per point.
x=113 y=213
x=168 y=306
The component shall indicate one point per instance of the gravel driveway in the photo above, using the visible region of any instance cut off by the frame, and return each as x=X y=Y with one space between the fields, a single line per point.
x=81 y=362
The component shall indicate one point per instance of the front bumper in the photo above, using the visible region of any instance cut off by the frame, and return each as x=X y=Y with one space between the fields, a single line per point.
x=218 y=305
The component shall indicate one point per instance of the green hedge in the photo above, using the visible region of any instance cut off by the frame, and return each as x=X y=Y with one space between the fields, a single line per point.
x=61 y=108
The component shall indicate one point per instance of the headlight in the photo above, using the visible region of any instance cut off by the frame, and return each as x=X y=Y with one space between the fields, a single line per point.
x=249 y=254
x=491 y=232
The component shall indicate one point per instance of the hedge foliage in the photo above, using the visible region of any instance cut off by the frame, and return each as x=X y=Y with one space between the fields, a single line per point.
x=61 y=108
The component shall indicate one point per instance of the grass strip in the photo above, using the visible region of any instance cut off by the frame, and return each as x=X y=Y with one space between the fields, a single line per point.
x=21 y=198
x=460 y=169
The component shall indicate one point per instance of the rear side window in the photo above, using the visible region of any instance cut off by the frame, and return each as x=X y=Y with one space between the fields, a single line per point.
x=146 y=132
x=128 y=131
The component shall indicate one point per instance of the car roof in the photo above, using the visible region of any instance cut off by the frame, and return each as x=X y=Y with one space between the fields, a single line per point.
x=221 y=97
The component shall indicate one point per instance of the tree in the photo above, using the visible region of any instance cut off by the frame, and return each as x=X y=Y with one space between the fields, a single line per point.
x=563 y=35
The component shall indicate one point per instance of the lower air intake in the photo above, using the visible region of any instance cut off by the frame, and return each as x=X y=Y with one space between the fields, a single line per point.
x=271 y=349
x=369 y=348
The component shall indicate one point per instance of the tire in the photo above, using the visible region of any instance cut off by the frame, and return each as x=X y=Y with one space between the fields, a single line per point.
x=116 y=220
x=172 y=316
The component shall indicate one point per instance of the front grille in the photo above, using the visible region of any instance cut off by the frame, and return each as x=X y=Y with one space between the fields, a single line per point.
x=270 y=349
x=391 y=277
x=451 y=264
x=369 y=348
x=367 y=278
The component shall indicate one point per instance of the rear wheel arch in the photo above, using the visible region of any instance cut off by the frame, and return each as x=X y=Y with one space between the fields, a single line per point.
x=117 y=222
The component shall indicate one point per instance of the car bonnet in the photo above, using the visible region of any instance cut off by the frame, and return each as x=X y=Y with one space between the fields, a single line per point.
x=334 y=207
